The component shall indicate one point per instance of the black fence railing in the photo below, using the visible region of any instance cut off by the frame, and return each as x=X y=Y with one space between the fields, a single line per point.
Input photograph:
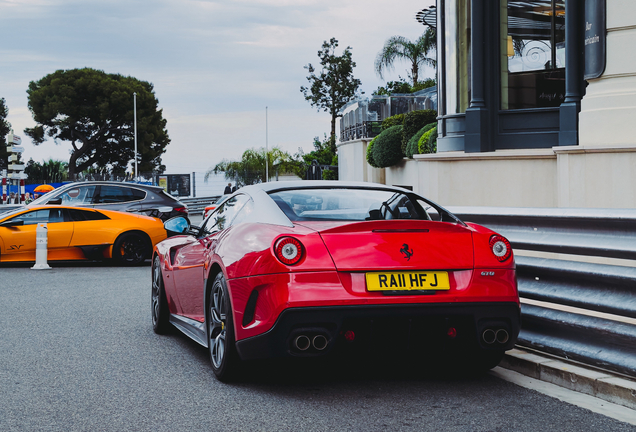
x=367 y=129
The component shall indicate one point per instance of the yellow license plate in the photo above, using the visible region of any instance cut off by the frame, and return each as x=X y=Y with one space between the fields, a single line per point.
x=407 y=281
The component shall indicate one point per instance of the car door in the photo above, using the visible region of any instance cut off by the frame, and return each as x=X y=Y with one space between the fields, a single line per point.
x=19 y=241
x=190 y=260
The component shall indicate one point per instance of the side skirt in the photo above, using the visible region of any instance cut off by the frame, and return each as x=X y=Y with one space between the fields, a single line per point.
x=195 y=330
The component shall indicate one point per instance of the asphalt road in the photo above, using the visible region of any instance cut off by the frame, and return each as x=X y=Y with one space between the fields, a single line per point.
x=77 y=353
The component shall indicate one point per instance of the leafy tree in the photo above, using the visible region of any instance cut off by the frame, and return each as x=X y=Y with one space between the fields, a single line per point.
x=334 y=86
x=323 y=153
x=94 y=111
x=251 y=168
x=5 y=128
x=51 y=171
x=400 y=48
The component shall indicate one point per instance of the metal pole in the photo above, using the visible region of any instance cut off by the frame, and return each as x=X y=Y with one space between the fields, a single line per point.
x=135 y=115
x=266 y=150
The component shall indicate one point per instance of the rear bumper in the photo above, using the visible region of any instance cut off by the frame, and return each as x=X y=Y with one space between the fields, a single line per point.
x=414 y=328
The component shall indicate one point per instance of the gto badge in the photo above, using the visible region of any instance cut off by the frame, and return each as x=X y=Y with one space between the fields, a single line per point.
x=408 y=253
x=488 y=273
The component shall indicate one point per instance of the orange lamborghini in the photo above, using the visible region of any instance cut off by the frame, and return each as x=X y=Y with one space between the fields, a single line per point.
x=79 y=234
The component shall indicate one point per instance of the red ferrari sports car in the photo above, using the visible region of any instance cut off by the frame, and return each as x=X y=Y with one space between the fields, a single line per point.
x=315 y=267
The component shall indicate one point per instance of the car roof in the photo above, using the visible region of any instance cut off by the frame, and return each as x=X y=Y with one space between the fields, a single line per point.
x=309 y=184
x=112 y=183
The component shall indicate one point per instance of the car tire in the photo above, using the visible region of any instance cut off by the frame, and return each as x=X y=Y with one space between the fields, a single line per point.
x=130 y=249
x=159 y=304
x=220 y=329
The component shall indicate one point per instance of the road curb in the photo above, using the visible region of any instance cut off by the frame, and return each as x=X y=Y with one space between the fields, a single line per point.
x=601 y=384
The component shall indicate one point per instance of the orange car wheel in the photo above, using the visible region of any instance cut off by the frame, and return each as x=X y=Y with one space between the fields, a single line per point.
x=130 y=249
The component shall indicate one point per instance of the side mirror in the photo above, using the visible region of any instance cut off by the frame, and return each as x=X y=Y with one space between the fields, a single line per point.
x=176 y=226
x=55 y=201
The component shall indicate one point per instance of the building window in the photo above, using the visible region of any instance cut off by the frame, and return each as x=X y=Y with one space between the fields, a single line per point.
x=532 y=53
x=457 y=55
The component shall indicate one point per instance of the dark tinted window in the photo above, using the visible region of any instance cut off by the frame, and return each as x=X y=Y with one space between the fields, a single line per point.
x=79 y=195
x=76 y=215
x=118 y=194
x=40 y=216
x=224 y=215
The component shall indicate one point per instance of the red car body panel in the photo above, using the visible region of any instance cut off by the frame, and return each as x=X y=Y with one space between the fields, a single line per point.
x=331 y=272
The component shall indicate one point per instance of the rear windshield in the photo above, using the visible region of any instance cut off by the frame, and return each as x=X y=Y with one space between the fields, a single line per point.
x=349 y=204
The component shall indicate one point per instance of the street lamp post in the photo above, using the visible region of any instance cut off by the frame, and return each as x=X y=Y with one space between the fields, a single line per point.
x=135 y=118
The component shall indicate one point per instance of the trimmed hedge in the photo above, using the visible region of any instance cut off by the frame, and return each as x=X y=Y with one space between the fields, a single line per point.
x=396 y=120
x=414 y=121
x=370 y=154
x=428 y=141
x=412 y=145
x=387 y=149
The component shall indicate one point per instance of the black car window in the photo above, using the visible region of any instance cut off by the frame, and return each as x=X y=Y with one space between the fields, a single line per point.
x=78 y=195
x=224 y=215
x=33 y=217
x=76 y=215
x=109 y=194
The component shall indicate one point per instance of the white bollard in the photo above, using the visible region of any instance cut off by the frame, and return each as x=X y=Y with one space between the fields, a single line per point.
x=41 y=247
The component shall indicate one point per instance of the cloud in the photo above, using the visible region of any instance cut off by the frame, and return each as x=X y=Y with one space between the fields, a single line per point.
x=215 y=65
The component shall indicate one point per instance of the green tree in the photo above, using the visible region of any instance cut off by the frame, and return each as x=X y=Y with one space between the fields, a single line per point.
x=322 y=152
x=5 y=128
x=94 y=111
x=334 y=86
x=400 y=48
x=251 y=168
x=51 y=171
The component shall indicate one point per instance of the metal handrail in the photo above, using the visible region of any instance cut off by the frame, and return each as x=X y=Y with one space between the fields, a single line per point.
x=585 y=334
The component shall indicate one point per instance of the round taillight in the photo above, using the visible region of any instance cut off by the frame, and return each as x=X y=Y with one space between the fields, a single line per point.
x=500 y=247
x=288 y=250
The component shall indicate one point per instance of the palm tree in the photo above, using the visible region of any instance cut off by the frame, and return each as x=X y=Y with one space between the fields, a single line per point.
x=399 y=47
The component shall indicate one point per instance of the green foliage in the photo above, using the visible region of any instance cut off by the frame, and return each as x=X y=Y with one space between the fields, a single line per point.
x=402 y=87
x=51 y=171
x=94 y=111
x=5 y=128
x=251 y=168
x=396 y=120
x=329 y=174
x=411 y=146
x=414 y=121
x=416 y=53
x=428 y=141
x=322 y=152
x=427 y=83
x=334 y=86
x=394 y=87
x=370 y=159
x=387 y=149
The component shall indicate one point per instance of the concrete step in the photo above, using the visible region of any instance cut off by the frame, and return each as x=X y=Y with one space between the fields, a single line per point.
x=608 y=386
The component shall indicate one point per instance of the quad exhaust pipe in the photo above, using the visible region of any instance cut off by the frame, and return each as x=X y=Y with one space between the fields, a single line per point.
x=490 y=336
x=303 y=342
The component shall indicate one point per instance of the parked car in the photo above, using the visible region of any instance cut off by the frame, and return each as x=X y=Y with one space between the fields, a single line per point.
x=308 y=268
x=79 y=234
x=130 y=197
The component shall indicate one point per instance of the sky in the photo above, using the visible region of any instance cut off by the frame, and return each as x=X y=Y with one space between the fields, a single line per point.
x=215 y=65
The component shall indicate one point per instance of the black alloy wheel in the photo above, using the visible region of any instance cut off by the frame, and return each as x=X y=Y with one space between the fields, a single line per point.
x=221 y=331
x=130 y=249
x=159 y=303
